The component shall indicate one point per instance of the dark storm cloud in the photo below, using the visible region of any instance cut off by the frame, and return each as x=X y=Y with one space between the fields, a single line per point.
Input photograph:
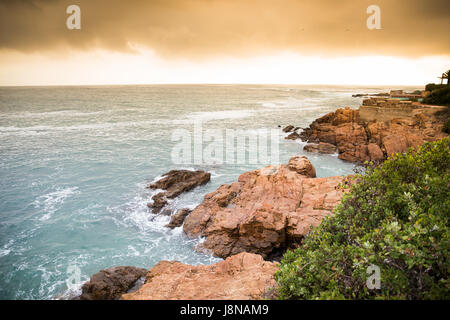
x=202 y=28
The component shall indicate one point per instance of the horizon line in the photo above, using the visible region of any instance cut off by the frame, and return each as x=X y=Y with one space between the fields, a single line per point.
x=210 y=84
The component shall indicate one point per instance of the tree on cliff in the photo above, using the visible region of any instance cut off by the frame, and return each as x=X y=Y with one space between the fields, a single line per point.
x=444 y=76
x=396 y=217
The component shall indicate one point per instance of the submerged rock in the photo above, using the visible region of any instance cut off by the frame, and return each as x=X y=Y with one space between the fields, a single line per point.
x=243 y=277
x=175 y=182
x=293 y=136
x=177 y=219
x=111 y=283
x=265 y=211
x=288 y=128
x=159 y=202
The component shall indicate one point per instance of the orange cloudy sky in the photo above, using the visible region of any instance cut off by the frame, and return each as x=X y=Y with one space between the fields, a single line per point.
x=223 y=41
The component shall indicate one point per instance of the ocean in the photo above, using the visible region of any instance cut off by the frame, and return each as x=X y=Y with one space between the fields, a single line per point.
x=75 y=162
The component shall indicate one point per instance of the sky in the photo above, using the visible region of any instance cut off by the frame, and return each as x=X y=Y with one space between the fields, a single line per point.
x=224 y=41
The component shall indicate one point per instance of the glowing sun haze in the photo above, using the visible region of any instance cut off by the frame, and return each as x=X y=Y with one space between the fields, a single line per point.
x=223 y=41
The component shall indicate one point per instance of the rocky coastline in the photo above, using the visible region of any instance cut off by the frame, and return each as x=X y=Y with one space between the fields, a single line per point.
x=251 y=222
x=244 y=276
x=379 y=128
x=265 y=212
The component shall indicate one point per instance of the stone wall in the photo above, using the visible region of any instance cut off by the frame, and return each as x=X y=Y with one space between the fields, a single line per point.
x=384 y=110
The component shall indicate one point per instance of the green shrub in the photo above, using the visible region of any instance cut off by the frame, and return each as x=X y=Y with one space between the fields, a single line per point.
x=396 y=217
x=439 y=96
x=433 y=86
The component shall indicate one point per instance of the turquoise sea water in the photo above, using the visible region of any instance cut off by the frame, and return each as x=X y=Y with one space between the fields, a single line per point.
x=74 y=163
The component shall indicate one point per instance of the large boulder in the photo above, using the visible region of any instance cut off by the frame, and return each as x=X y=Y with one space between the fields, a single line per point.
x=265 y=211
x=174 y=183
x=302 y=166
x=244 y=276
x=111 y=283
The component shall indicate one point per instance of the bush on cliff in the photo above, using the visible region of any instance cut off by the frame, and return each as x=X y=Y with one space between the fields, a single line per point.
x=433 y=86
x=439 y=96
x=395 y=217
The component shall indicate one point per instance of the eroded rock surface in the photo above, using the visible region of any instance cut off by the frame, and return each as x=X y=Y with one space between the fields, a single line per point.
x=360 y=139
x=321 y=147
x=244 y=276
x=174 y=183
x=265 y=211
x=111 y=283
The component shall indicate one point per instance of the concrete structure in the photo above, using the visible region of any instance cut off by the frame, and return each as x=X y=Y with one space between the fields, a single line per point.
x=385 y=110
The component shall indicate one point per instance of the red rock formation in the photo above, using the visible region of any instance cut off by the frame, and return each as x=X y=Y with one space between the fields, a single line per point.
x=358 y=140
x=321 y=147
x=265 y=210
x=375 y=153
x=244 y=276
x=302 y=166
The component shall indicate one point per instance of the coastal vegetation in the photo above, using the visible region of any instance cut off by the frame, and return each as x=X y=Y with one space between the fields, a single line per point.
x=395 y=217
x=439 y=94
